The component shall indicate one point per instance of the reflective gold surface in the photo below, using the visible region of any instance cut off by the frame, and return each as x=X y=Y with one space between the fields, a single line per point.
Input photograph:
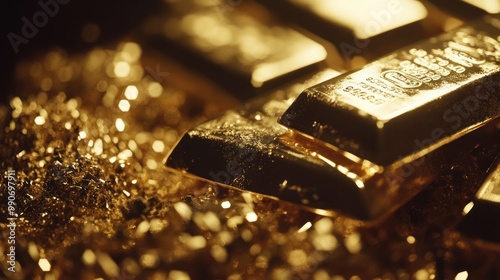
x=368 y=18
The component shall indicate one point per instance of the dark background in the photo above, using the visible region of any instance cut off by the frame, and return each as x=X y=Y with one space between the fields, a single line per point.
x=115 y=18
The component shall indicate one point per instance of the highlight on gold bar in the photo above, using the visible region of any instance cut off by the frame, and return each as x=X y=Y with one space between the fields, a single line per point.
x=367 y=18
x=243 y=54
x=361 y=30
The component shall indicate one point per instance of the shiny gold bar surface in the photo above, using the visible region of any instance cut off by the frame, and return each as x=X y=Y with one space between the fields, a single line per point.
x=409 y=100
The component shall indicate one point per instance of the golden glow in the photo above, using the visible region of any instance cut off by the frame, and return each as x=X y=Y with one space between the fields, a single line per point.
x=98 y=147
x=467 y=208
x=353 y=243
x=305 y=227
x=183 y=210
x=410 y=239
x=492 y=7
x=124 y=105
x=151 y=164
x=251 y=217
x=44 y=264
x=331 y=163
x=120 y=124
x=131 y=92
x=39 y=120
x=88 y=257
x=155 y=89
x=196 y=242
x=158 y=146
x=271 y=70
x=131 y=51
x=46 y=84
x=226 y=204
x=490 y=190
x=121 y=69
x=178 y=275
x=82 y=134
x=90 y=33
x=462 y=275
x=368 y=18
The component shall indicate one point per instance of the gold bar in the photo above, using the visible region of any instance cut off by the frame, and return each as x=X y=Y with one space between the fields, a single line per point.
x=408 y=101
